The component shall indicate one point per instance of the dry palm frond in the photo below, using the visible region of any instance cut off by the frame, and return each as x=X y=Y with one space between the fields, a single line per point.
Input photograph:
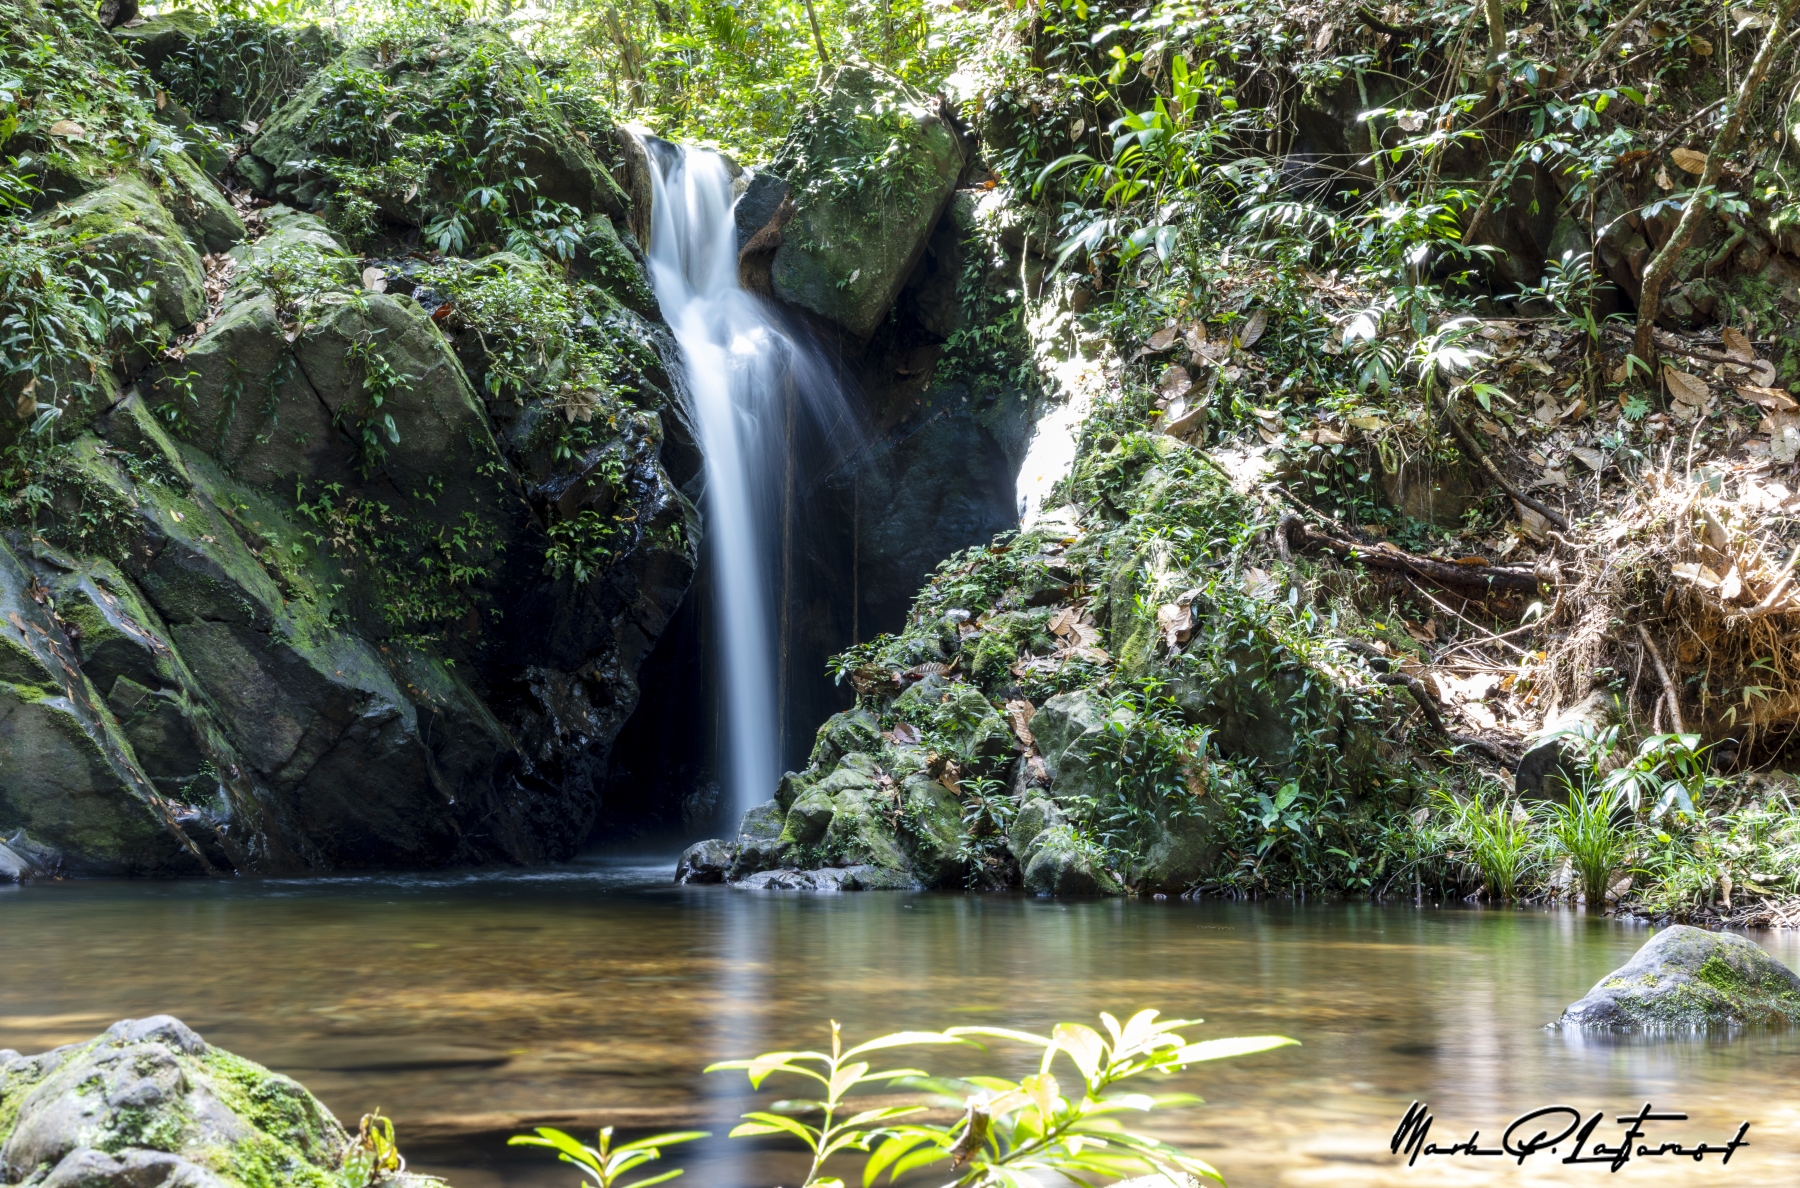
x=1693 y=562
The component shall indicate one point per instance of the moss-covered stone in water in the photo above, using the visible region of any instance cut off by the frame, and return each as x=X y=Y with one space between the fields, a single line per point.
x=151 y=1102
x=1688 y=978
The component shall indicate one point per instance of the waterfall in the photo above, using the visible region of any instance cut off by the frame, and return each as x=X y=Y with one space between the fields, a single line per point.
x=745 y=374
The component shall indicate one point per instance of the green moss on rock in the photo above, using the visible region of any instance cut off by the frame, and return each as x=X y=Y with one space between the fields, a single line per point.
x=1688 y=978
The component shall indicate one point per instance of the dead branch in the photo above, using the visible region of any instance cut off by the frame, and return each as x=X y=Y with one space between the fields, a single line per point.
x=1429 y=707
x=1473 y=449
x=1477 y=580
x=1662 y=674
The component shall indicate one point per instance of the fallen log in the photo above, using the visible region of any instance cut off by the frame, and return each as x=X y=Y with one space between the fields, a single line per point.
x=1474 y=580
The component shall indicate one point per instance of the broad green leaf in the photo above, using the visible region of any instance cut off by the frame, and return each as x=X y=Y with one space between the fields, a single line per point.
x=1024 y=1037
x=892 y=1149
x=882 y=1114
x=1084 y=1046
x=917 y=1159
x=901 y=1039
x=664 y=1140
x=1221 y=1049
x=663 y=1178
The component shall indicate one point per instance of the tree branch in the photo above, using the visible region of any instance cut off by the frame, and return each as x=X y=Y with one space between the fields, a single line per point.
x=1693 y=210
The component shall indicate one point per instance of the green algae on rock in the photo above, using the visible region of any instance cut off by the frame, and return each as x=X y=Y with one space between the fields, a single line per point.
x=150 y=1102
x=1689 y=978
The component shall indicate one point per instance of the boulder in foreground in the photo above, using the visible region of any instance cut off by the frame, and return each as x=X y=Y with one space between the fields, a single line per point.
x=150 y=1104
x=1687 y=978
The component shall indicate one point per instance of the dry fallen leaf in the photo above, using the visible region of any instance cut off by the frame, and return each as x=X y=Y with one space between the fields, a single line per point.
x=1768 y=399
x=26 y=406
x=1322 y=436
x=374 y=279
x=1369 y=422
x=1689 y=160
x=1784 y=435
x=1531 y=521
x=1593 y=459
x=1737 y=345
x=67 y=128
x=1162 y=340
x=1700 y=575
x=1253 y=329
x=1174 y=622
x=1019 y=714
x=1663 y=179
x=1731 y=585
x=1762 y=372
x=1687 y=389
x=1173 y=382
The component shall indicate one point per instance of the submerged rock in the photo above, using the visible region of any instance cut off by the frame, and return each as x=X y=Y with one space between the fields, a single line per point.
x=704 y=862
x=150 y=1104
x=827 y=878
x=1688 y=977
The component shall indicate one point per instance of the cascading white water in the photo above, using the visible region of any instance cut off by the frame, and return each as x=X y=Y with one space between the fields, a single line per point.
x=737 y=362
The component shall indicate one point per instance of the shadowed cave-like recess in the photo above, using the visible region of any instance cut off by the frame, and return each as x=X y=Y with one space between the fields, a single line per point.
x=930 y=470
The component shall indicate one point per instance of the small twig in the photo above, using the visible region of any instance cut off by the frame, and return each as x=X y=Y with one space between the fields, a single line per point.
x=1769 y=602
x=1612 y=37
x=1515 y=648
x=1662 y=674
x=1519 y=630
x=1467 y=440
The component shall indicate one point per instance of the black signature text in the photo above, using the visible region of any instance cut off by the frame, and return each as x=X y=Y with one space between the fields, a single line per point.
x=1563 y=1132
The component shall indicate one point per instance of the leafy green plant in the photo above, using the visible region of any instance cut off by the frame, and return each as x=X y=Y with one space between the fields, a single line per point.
x=1493 y=832
x=837 y=1072
x=1669 y=771
x=1010 y=1128
x=1584 y=831
x=604 y=1164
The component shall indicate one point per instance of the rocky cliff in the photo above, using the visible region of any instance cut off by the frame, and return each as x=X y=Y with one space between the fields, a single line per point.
x=348 y=513
x=345 y=508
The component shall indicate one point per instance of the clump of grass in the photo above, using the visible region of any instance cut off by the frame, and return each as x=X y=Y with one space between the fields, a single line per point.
x=1493 y=832
x=1585 y=832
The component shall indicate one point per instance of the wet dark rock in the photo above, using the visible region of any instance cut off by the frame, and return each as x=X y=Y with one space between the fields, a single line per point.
x=1690 y=978
x=704 y=862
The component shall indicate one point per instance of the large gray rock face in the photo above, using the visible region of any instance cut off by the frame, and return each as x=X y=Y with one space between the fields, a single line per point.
x=150 y=1104
x=870 y=168
x=1690 y=978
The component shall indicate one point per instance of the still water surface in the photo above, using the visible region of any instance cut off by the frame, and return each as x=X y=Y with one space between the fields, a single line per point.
x=469 y=1006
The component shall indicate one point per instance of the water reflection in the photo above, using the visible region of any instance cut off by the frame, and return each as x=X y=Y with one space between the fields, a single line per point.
x=470 y=1005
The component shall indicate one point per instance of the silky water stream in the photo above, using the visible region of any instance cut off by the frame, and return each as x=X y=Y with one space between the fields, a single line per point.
x=746 y=377
x=468 y=1007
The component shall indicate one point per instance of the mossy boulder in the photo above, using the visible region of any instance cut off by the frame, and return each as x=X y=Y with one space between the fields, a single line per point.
x=959 y=715
x=1059 y=863
x=126 y=232
x=870 y=166
x=930 y=830
x=67 y=772
x=854 y=730
x=470 y=91
x=761 y=842
x=1686 y=978
x=151 y=1103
